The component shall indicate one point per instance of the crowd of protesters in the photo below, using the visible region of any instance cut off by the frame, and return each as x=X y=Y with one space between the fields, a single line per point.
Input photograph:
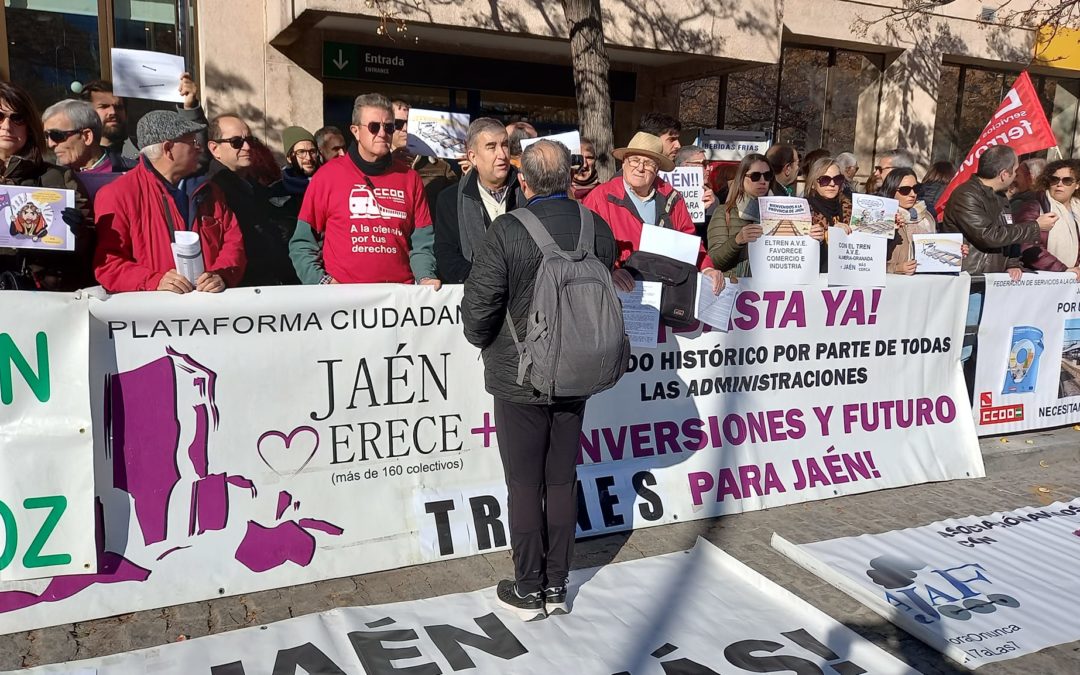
x=357 y=206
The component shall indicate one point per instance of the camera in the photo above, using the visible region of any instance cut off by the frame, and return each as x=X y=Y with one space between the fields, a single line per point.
x=576 y=162
x=17 y=281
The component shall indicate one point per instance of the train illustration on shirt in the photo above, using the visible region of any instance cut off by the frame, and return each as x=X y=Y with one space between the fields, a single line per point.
x=364 y=204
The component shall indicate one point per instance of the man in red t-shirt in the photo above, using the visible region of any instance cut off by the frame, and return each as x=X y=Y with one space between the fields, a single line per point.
x=364 y=218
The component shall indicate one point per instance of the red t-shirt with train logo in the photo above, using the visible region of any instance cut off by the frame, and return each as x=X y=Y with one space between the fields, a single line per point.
x=366 y=220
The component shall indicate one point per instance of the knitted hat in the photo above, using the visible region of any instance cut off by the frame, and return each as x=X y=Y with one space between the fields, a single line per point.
x=158 y=126
x=293 y=135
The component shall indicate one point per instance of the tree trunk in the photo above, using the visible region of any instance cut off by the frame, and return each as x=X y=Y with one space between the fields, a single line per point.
x=590 y=63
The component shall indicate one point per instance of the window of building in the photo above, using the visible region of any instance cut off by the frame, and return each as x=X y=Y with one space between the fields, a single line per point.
x=51 y=44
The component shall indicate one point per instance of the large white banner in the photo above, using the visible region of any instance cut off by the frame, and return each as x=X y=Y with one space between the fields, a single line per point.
x=264 y=438
x=1028 y=364
x=697 y=611
x=978 y=589
x=46 y=451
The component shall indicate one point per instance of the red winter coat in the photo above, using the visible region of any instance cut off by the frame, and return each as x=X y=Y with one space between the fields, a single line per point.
x=134 y=248
x=609 y=201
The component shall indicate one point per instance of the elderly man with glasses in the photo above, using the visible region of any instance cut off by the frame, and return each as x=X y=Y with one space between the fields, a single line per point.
x=139 y=214
x=73 y=132
x=639 y=198
x=365 y=218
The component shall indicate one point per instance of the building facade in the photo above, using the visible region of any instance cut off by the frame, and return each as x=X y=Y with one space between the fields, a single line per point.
x=837 y=74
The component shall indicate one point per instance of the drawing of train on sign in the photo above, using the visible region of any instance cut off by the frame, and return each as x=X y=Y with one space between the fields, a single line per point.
x=930 y=250
x=433 y=133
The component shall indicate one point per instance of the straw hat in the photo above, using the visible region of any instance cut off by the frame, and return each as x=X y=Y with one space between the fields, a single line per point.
x=646 y=145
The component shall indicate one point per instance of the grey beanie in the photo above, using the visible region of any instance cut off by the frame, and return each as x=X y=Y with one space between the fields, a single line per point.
x=158 y=126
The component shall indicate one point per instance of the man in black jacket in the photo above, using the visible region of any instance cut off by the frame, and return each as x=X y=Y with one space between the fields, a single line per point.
x=463 y=215
x=538 y=438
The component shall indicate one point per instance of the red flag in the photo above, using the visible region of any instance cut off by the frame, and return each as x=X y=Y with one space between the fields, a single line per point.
x=1019 y=123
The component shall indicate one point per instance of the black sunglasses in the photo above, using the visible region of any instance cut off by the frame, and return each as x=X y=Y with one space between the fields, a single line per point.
x=1064 y=180
x=16 y=118
x=58 y=136
x=398 y=124
x=755 y=176
x=236 y=142
x=373 y=128
x=824 y=181
x=906 y=189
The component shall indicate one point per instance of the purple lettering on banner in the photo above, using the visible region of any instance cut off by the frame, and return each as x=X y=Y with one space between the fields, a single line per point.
x=639 y=440
x=700 y=482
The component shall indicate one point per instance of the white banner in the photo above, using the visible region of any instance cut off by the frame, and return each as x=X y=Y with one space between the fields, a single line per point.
x=46 y=451
x=978 y=589
x=697 y=611
x=264 y=438
x=1027 y=373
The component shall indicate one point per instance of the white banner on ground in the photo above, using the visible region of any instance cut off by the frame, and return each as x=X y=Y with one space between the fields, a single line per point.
x=697 y=611
x=1027 y=372
x=46 y=451
x=978 y=589
x=263 y=438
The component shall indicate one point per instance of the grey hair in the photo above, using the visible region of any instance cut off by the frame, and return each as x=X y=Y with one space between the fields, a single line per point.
x=686 y=152
x=901 y=159
x=846 y=160
x=995 y=160
x=153 y=151
x=483 y=125
x=546 y=167
x=370 y=101
x=80 y=114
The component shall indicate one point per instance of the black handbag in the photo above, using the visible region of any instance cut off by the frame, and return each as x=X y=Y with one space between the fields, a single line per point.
x=679 y=297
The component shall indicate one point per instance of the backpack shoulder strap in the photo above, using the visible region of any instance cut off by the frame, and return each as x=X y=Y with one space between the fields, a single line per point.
x=587 y=238
x=669 y=204
x=536 y=230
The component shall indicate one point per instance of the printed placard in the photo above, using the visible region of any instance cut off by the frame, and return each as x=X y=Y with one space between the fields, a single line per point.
x=856 y=259
x=434 y=133
x=32 y=217
x=874 y=215
x=690 y=182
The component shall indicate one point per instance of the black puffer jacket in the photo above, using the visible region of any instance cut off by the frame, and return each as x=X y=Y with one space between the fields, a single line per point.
x=503 y=273
x=982 y=216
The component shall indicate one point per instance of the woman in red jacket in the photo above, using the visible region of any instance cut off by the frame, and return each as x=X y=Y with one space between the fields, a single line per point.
x=638 y=198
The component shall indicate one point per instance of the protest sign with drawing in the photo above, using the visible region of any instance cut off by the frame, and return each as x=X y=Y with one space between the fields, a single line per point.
x=32 y=218
x=434 y=133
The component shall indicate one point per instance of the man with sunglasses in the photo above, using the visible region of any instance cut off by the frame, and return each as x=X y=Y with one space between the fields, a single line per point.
x=73 y=133
x=365 y=218
x=138 y=214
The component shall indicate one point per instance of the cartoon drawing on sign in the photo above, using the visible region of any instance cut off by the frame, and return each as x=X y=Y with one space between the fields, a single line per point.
x=159 y=435
x=1070 y=360
x=437 y=134
x=873 y=215
x=30 y=219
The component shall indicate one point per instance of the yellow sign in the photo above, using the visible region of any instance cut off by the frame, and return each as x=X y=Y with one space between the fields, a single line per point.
x=1058 y=47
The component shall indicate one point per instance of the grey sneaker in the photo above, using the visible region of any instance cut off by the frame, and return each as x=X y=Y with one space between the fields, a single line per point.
x=527 y=608
x=555 y=601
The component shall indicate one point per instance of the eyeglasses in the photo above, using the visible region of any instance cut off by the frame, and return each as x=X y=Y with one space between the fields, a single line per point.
x=399 y=124
x=756 y=176
x=16 y=118
x=637 y=161
x=373 y=128
x=58 y=136
x=1064 y=180
x=825 y=181
x=906 y=189
x=305 y=153
x=236 y=142
x=882 y=169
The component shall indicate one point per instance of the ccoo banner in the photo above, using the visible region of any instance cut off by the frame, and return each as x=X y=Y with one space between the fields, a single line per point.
x=978 y=589
x=264 y=438
x=1028 y=368
x=697 y=611
x=46 y=451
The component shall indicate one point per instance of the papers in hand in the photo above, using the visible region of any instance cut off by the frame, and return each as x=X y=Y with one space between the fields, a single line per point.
x=874 y=215
x=672 y=243
x=938 y=252
x=143 y=74
x=187 y=253
x=856 y=259
x=785 y=260
x=715 y=310
x=641 y=313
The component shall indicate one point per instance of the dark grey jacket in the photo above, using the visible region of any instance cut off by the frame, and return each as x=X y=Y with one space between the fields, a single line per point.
x=503 y=272
x=982 y=216
x=461 y=222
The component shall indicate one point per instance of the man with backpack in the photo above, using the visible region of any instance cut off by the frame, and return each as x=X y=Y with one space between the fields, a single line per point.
x=541 y=362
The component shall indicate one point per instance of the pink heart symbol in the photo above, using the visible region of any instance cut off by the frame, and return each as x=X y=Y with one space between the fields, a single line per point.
x=283 y=452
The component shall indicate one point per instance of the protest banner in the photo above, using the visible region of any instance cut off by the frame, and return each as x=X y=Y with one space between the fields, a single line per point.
x=978 y=589
x=690 y=182
x=46 y=451
x=313 y=433
x=32 y=217
x=784 y=216
x=856 y=259
x=1027 y=374
x=434 y=133
x=716 y=614
x=874 y=215
x=785 y=261
x=1019 y=123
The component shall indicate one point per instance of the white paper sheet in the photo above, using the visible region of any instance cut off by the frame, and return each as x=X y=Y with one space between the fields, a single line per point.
x=144 y=74
x=715 y=310
x=874 y=215
x=434 y=133
x=571 y=139
x=785 y=260
x=641 y=313
x=672 y=243
x=937 y=252
x=856 y=259
x=187 y=253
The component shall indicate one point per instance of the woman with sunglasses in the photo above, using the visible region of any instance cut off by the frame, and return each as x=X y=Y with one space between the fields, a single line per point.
x=911 y=218
x=1058 y=249
x=731 y=228
x=22 y=163
x=828 y=205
